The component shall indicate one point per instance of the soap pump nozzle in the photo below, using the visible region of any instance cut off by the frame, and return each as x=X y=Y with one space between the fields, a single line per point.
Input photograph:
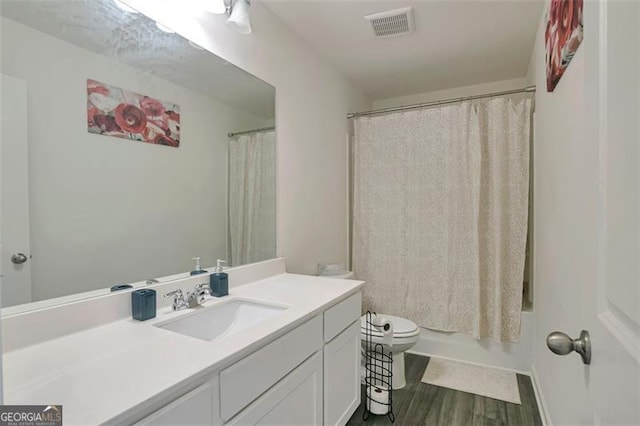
x=198 y=269
x=219 y=267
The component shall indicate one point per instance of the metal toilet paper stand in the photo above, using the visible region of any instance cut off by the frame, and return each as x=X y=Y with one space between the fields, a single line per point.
x=378 y=370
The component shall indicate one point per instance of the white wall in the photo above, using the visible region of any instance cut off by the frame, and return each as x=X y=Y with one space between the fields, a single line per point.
x=106 y=210
x=312 y=99
x=473 y=90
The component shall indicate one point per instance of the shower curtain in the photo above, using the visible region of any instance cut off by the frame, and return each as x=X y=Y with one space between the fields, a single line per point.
x=440 y=215
x=252 y=197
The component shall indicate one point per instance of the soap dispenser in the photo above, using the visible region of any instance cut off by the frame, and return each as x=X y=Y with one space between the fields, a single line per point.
x=198 y=269
x=219 y=281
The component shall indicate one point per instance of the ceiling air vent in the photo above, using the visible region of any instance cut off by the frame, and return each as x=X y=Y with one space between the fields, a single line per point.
x=391 y=23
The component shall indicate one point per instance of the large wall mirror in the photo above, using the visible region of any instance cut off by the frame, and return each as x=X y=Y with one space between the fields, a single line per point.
x=125 y=152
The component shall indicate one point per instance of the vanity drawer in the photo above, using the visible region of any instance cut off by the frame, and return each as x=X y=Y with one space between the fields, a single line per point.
x=340 y=316
x=294 y=400
x=194 y=408
x=247 y=379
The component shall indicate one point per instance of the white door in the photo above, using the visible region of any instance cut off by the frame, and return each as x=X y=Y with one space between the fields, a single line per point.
x=614 y=384
x=14 y=193
x=586 y=230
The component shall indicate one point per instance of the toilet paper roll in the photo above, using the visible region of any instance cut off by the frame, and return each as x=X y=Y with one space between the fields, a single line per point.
x=381 y=323
x=379 y=400
x=386 y=327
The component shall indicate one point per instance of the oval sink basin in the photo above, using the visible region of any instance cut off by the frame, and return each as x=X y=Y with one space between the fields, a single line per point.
x=222 y=320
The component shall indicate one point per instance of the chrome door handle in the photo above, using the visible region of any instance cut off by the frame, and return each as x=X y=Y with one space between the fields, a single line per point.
x=561 y=344
x=19 y=258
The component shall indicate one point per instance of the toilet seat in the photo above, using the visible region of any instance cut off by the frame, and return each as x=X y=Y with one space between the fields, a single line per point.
x=402 y=327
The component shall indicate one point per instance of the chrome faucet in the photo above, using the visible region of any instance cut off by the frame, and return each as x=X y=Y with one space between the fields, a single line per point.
x=196 y=298
x=193 y=298
x=178 y=300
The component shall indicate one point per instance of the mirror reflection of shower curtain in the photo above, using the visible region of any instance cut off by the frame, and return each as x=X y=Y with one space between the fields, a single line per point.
x=252 y=197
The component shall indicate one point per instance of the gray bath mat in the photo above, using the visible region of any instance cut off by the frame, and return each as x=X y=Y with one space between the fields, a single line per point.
x=476 y=379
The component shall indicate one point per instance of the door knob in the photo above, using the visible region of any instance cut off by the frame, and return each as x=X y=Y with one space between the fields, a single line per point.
x=561 y=344
x=19 y=258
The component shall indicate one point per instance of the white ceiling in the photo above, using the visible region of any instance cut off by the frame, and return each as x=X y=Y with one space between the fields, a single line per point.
x=134 y=39
x=456 y=43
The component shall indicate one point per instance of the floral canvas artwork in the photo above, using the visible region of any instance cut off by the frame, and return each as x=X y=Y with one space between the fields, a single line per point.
x=563 y=35
x=113 y=111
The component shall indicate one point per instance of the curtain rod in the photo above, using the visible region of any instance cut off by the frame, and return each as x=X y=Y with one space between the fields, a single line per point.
x=264 y=129
x=529 y=89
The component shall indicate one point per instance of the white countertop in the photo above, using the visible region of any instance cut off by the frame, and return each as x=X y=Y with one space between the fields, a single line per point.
x=100 y=374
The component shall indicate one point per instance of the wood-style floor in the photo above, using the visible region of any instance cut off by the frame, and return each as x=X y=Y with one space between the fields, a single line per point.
x=422 y=404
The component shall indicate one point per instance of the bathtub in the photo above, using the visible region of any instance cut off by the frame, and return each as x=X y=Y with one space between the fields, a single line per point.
x=462 y=347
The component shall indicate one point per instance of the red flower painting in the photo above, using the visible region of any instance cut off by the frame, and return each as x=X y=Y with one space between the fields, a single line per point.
x=130 y=118
x=563 y=35
x=117 y=112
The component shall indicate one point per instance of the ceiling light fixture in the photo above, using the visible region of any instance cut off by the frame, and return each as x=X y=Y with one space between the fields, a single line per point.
x=217 y=7
x=124 y=7
x=164 y=28
x=239 y=18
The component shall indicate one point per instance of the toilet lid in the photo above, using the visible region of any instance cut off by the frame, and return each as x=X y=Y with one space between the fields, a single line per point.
x=401 y=326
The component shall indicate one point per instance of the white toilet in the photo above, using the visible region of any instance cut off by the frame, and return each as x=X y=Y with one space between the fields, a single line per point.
x=405 y=335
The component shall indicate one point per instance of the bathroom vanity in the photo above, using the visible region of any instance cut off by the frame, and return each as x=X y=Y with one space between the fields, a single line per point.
x=289 y=352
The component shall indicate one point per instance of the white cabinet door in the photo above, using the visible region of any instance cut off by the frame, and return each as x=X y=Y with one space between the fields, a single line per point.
x=342 y=376
x=295 y=400
x=247 y=379
x=194 y=408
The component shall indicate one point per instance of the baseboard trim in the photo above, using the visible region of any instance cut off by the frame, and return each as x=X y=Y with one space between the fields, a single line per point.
x=542 y=405
x=411 y=351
